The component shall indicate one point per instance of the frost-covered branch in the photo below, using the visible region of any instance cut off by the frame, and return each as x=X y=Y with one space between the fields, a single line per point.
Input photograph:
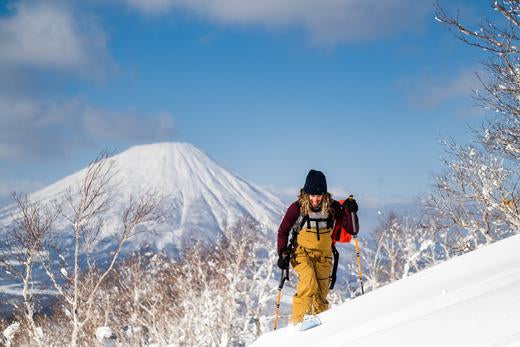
x=21 y=248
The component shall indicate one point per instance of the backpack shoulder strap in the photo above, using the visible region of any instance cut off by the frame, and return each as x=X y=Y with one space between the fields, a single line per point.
x=305 y=219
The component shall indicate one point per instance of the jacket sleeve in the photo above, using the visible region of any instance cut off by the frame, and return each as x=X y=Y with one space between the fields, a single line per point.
x=291 y=216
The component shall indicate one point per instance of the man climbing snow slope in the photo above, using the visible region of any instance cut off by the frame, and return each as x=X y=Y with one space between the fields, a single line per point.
x=317 y=219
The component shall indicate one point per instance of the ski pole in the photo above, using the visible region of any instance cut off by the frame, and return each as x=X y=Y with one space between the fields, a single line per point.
x=359 y=264
x=354 y=225
x=285 y=276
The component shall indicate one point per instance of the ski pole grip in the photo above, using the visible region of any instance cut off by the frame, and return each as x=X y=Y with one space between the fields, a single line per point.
x=285 y=276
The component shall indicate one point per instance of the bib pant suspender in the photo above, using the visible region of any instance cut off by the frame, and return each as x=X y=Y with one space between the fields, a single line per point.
x=307 y=220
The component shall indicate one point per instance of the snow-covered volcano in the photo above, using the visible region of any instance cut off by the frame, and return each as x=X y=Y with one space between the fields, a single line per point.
x=200 y=196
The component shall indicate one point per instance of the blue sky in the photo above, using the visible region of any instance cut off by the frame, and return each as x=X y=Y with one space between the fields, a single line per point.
x=363 y=90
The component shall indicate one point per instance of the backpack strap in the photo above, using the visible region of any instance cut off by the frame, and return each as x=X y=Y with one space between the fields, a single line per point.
x=307 y=220
x=334 y=268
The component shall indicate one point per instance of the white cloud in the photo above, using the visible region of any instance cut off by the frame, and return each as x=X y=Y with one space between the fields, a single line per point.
x=57 y=36
x=428 y=91
x=51 y=35
x=31 y=128
x=327 y=21
x=126 y=125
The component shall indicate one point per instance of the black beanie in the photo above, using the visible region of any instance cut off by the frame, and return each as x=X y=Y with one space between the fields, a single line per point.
x=315 y=183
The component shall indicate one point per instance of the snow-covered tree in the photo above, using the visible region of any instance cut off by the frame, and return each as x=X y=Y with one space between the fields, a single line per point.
x=402 y=245
x=73 y=272
x=499 y=39
x=86 y=205
x=477 y=197
x=227 y=288
x=474 y=196
x=215 y=295
x=21 y=247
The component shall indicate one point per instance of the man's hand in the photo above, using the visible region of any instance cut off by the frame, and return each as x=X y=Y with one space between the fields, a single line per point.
x=283 y=259
x=351 y=204
x=352 y=232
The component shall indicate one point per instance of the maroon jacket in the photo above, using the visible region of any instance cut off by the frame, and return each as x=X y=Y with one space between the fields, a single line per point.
x=340 y=216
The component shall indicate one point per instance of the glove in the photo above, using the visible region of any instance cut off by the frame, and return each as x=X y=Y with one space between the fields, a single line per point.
x=351 y=204
x=353 y=232
x=355 y=226
x=283 y=259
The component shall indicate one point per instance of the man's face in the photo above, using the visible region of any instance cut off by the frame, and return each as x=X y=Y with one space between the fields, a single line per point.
x=315 y=200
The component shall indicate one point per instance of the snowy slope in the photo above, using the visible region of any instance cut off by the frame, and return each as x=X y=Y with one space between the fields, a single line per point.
x=471 y=300
x=200 y=197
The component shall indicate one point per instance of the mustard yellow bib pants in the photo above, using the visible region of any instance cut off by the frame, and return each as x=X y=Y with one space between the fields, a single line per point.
x=312 y=261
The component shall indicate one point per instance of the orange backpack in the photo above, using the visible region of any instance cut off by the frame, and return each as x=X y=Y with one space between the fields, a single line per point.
x=340 y=233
